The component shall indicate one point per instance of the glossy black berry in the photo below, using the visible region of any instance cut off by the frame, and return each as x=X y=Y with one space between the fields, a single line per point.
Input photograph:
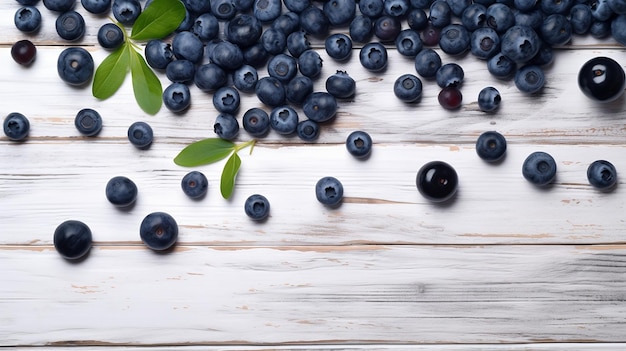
x=72 y=239
x=437 y=181
x=602 y=175
x=257 y=207
x=491 y=146
x=88 y=122
x=539 y=168
x=158 y=231
x=450 y=98
x=602 y=79
x=24 y=52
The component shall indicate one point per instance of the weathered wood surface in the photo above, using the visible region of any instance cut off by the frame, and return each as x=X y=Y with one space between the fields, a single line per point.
x=506 y=266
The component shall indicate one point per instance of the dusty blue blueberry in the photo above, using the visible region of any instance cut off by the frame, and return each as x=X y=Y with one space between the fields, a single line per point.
x=126 y=11
x=298 y=89
x=186 y=45
x=457 y=7
x=297 y=43
x=267 y=10
x=601 y=29
x=210 y=77
x=27 y=19
x=310 y=63
x=329 y=191
x=618 y=6
x=556 y=29
x=97 y=7
x=206 y=26
x=449 y=75
x=195 y=184
x=121 y=191
x=314 y=21
x=440 y=14
x=520 y=43
x=177 y=97
x=244 y=30
x=180 y=71
x=59 y=5
x=602 y=175
x=223 y=9
x=70 y=25
x=226 y=126
x=88 y=122
x=16 y=126
x=408 y=88
x=371 y=8
x=339 y=12
x=532 y=18
x=529 y=79
x=282 y=67
x=226 y=100
x=288 y=22
x=256 y=122
x=361 y=29
x=524 y=5
x=491 y=146
x=539 y=168
x=417 y=19
x=601 y=10
x=140 y=135
x=270 y=91
x=308 y=130
x=284 y=120
x=359 y=144
x=245 y=78
x=158 y=54
x=474 y=17
x=340 y=85
x=618 y=29
x=489 y=99
x=427 y=62
x=580 y=18
x=500 y=17
x=158 y=231
x=72 y=239
x=500 y=66
x=484 y=43
x=408 y=43
x=110 y=36
x=274 y=41
x=197 y=6
x=320 y=106
x=373 y=56
x=257 y=207
x=550 y=7
x=255 y=55
x=338 y=46
x=227 y=55
x=75 y=66
x=454 y=39
x=297 y=6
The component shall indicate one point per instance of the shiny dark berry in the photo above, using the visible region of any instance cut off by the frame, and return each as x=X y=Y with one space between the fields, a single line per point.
x=602 y=79
x=437 y=181
x=72 y=239
x=602 y=175
x=23 y=52
x=450 y=98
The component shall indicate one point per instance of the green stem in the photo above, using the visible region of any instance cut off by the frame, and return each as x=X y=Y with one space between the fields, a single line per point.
x=246 y=144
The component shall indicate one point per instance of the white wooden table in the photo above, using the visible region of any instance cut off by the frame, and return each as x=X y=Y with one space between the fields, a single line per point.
x=506 y=266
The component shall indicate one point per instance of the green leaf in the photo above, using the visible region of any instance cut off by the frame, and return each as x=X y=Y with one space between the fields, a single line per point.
x=111 y=73
x=227 y=183
x=146 y=85
x=204 y=151
x=158 y=20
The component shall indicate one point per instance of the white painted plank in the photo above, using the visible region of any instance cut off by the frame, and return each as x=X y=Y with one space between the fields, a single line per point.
x=314 y=295
x=414 y=347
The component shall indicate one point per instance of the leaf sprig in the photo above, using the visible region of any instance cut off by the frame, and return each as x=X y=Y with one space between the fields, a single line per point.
x=211 y=150
x=157 y=21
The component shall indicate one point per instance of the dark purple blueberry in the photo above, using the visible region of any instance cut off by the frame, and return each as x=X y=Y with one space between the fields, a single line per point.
x=72 y=239
x=430 y=35
x=359 y=144
x=194 y=184
x=489 y=99
x=491 y=146
x=450 y=98
x=16 y=126
x=602 y=79
x=373 y=56
x=23 y=52
x=121 y=191
x=27 y=19
x=340 y=85
x=602 y=175
x=408 y=88
x=257 y=207
x=88 y=122
x=256 y=122
x=387 y=28
x=329 y=191
x=539 y=168
x=437 y=181
x=158 y=231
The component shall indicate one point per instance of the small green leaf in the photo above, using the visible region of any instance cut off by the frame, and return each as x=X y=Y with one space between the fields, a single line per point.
x=146 y=85
x=204 y=151
x=111 y=73
x=158 y=20
x=227 y=183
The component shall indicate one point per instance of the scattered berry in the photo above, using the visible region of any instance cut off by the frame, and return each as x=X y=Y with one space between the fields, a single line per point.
x=539 y=168
x=437 y=181
x=24 y=52
x=158 y=231
x=257 y=207
x=195 y=184
x=121 y=191
x=72 y=239
x=602 y=175
x=329 y=191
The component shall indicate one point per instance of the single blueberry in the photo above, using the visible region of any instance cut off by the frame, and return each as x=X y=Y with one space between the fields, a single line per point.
x=454 y=39
x=177 y=97
x=88 y=122
x=359 y=144
x=430 y=35
x=97 y=7
x=158 y=54
x=298 y=89
x=361 y=29
x=186 y=45
x=310 y=63
x=288 y=22
x=408 y=88
x=195 y=184
x=474 y=17
x=427 y=63
x=437 y=181
x=256 y=122
x=121 y=191
x=16 y=126
x=601 y=10
x=59 y=5
x=75 y=66
x=489 y=99
x=308 y=130
x=27 y=19
x=320 y=106
x=602 y=29
x=226 y=126
x=373 y=56
x=338 y=46
x=408 y=43
x=245 y=78
x=282 y=67
x=297 y=43
x=257 y=207
x=72 y=239
x=539 y=168
x=449 y=75
x=140 y=135
x=371 y=8
x=340 y=85
x=180 y=71
x=314 y=21
x=484 y=43
x=24 y=52
x=274 y=41
x=244 y=30
x=580 y=18
x=110 y=36
x=602 y=79
x=329 y=191
x=417 y=19
x=255 y=55
x=387 y=28
x=450 y=98
x=158 y=231
x=529 y=79
x=500 y=66
x=284 y=120
x=519 y=43
x=602 y=175
x=210 y=77
x=500 y=17
x=126 y=11
x=267 y=10
x=227 y=55
x=70 y=25
x=223 y=9
x=440 y=14
x=491 y=146
x=206 y=27
x=339 y=12
x=226 y=100
x=556 y=30
x=270 y=91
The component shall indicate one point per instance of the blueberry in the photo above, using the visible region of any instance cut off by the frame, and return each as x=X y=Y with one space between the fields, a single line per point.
x=602 y=29
x=529 y=79
x=396 y=8
x=274 y=41
x=310 y=63
x=417 y=19
x=244 y=30
x=387 y=28
x=500 y=17
x=371 y=8
x=602 y=175
x=255 y=55
x=339 y=12
x=580 y=18
x=158 y=231
x=420 y=4
x=223 y=9
x=602 y=79
x=256 y=122
x=282 y=67
x=340 y=85
x=532 y=18
x=177 y=97
x=550 y=7
x=373 y=56
x=440 y=14
x=556 y=29
x=329 y=191
x=474 y=16
x=408 y=88
x=158 y=54
x=430 y=35
x=59 y=5
x=270 y=91
x=308 y=130
x=72 y=239
x=27 y=2
x=140 y=135
x=539 y=168
x=186 y=45
x=187 y=23
x=226 y=100
x=618 y=29
x=500 y=66
x=297 y=5
x=195 y=184
x=180 y=71
x=227 y=55
x=454 y=39
x=297 y=43
x=126 y=11
x=97 y=7
x=88 y=122
x=408 y=43
x=449 y=75
x=23 y=52
x=197 y=6
x=618 y=6
x=359 y=144
x=206 y=27
x=226 y=126
x=245 y=78
x=267 y=10
x=484 y=43
x=16 y=126
x=524 y=5
x=544 y=56
x=457 y=7
x=320 y=106
x=601 y=10
x=361 y=29
x=338 y=46
x=437 y=181
x=27 y=19
x=284 y=120
x=70 y=25
x=75 y=66
x=519 y=43
x=243 y=5
x=257 y=207
x=287 y=23
x=121 y=191
x=110 y=36
x=450 y=98
x=298 y=89
x=427 y=63
x=210 y=77
x=314 y=21
x=489 y=99
x=491 y=146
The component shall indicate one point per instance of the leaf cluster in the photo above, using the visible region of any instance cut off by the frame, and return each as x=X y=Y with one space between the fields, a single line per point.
x=157 y=21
